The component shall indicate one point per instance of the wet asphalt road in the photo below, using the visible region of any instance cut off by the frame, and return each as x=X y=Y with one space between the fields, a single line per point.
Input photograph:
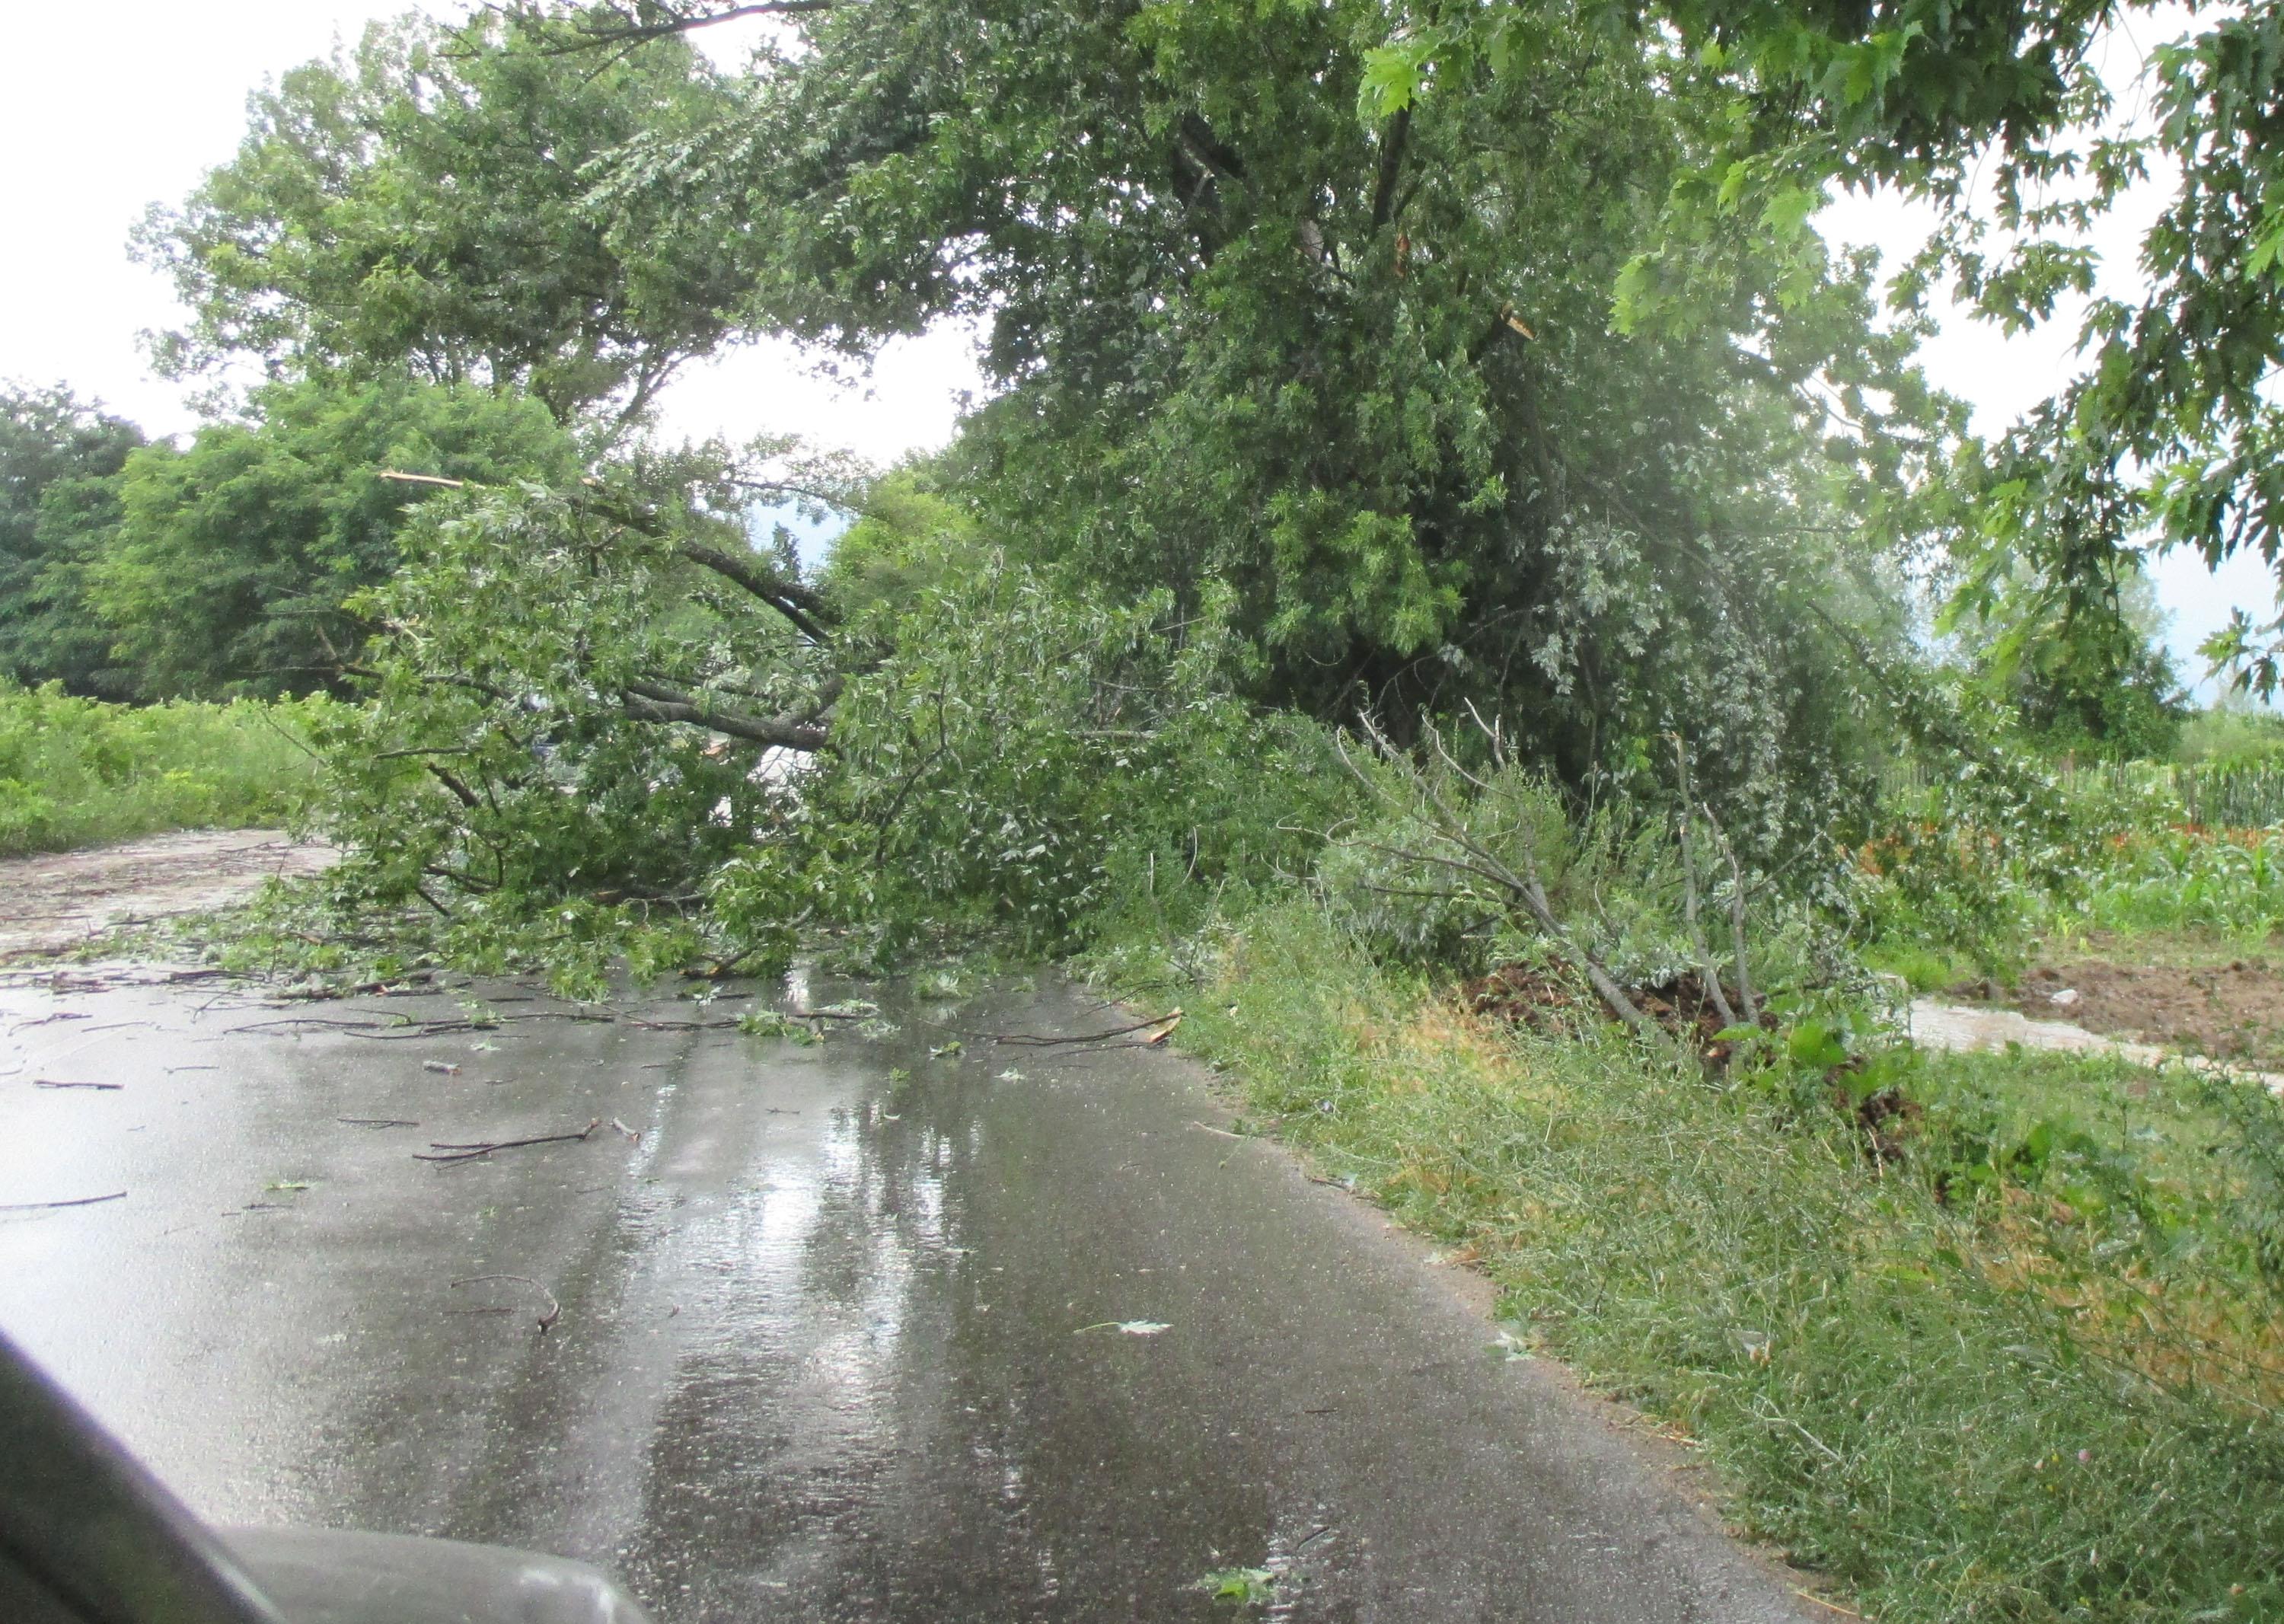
x=832 y=1341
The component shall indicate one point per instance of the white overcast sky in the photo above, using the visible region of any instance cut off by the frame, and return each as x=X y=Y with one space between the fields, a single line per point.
x=109 y=109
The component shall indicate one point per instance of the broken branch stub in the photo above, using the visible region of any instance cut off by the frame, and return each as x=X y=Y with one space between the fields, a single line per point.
x=1521 y=890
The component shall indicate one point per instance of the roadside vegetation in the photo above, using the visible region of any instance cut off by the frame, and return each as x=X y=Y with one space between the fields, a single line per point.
x=77 y=772
x=2002 y=1345
x=1454 y=583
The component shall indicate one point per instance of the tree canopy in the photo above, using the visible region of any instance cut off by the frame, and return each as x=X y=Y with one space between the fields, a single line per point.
x=1347 y=361
x=58 y=502
x=232 y=559
x=423 y=207
x=1355 y=363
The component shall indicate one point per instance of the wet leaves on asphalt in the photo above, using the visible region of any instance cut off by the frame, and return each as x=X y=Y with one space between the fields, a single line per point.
x=1245 y=1585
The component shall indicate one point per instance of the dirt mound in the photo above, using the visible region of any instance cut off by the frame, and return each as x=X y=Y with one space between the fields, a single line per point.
x=1559 y=1003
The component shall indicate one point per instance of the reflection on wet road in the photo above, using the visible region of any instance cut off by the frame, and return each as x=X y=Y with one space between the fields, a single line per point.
x=840 y=1337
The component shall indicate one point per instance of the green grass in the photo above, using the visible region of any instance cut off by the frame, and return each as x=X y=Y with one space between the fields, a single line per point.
x=2026 y=1373
x=79 y=772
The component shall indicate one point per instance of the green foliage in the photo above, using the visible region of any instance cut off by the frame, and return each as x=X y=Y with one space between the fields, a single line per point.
x=609 y=706
x=2098 y=685
x=523 y=765
x=59 y=503
x=2228 y=736
x=78 y=772
x=232 y=559
x=1027 y=754
x=2178 y=880
x=1245 y=1586
x=1400 y=880
x=1359 y=374
x=901 y=544
x=421 y=207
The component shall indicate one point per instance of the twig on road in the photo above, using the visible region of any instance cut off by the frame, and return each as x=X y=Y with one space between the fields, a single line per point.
x=470 y=1152
x=49 y=1083
x=42 y=1207
x=375 y=1122
x=554 y=1308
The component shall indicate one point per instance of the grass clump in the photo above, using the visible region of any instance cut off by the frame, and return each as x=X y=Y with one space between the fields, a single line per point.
x=2026 y=1369
x=78 y=772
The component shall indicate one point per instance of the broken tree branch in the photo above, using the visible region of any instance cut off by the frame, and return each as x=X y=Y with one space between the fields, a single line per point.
x=1479 y=860
x=470 y=1152
x=42 y=1207
x=649 y=701
x=1746 y=1006
x=797 y=602
x=1706 y=969
x=1035 y=1040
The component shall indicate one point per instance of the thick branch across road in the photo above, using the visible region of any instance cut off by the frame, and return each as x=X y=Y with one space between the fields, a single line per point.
x=648 y=701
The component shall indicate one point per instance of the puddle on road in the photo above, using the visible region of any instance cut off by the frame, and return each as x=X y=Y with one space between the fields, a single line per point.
x=839 y=1338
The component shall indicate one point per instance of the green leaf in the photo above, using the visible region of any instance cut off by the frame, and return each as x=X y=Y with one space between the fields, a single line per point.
x=1788 y=210
x=1390 y=81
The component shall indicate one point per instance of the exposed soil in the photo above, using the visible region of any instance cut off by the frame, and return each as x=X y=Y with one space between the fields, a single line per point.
x=54 y=901
x=1555 y=1001
x=2231 y=1010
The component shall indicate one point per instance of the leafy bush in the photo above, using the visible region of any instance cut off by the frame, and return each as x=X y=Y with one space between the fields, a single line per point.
x=78 y=772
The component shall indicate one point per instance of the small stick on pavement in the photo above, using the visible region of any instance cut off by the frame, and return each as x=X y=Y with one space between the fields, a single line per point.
x=42 y=1207
x=554 y=1308
x=49 y=1083
x=469 y=1152
x=376 y=1122
x=633 y=1136
x=1037 y=1040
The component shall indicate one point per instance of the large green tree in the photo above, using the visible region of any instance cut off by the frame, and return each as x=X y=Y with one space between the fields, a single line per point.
x=1998 y=113
x=421 y=206
x=1258 y=321
x=231 y=558
x=58 y=502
